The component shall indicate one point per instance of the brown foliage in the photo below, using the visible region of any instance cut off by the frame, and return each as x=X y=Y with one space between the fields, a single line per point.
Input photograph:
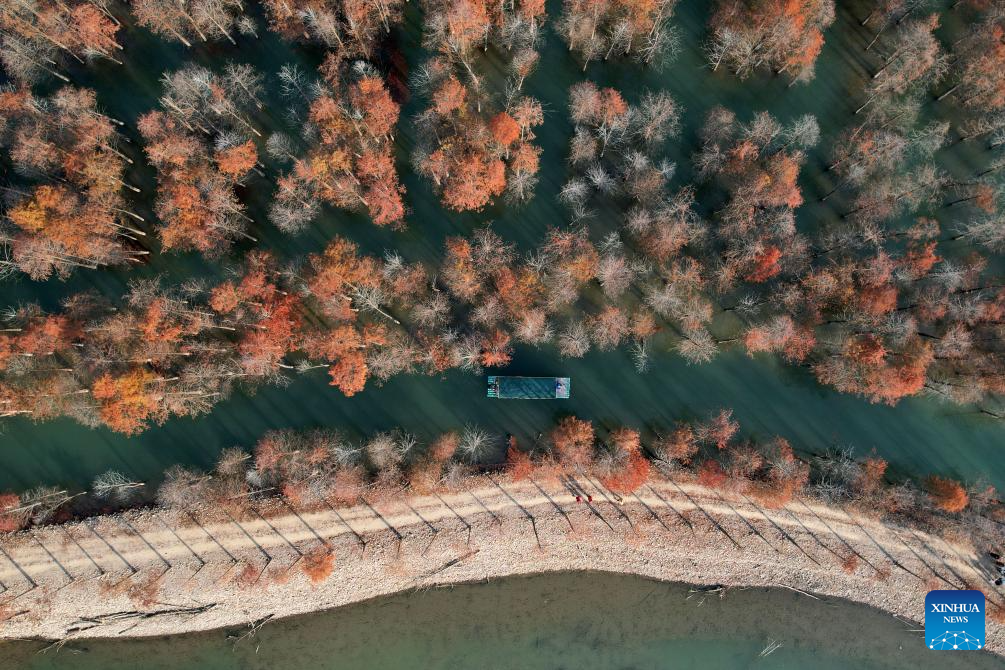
x=349 y=373
x=788 y=34
x=67 y=215
x=711 y=474
x=318 y=564
x=249 y=576
x=127 y=401
x=518 y=464
x=237 y=161
x=849 y=563
x=947 y=495
x=573 y=441
x=146 y=592
x=628 y=469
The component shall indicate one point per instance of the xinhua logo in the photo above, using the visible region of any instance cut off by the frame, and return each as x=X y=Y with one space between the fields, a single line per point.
x=954 y=620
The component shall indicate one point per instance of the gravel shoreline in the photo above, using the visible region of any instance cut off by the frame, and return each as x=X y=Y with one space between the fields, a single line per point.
x=161 y=573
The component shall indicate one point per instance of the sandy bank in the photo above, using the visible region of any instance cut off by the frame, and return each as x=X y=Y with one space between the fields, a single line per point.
x=167 y=573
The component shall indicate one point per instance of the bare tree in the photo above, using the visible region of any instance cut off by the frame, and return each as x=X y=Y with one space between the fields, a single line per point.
x=116 y=488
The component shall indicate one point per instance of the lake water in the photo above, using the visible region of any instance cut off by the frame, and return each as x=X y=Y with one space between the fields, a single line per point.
x=573 y=621
x=918 y=436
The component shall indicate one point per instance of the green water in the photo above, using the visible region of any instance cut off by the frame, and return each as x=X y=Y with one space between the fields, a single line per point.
x=573 y=621
x=918 y=436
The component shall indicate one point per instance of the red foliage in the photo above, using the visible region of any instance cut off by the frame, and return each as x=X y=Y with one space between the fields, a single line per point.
x=681 y=445
x=449 y=96
x=765 y=265
x=626 y=440
x=781 y=334
x=380 y=113
x=721 y=429
x=443 y=449
x=919 y=259
x=225 y=298
x=902 y=378
x=867 y=350
x=504 y=129
x=877 y=300
x=788 y=33
x=472 y=182
x=340 y=268
x=867 y=368
x=870 y=478
x=237 y=161
x=349 y=373
x=383 y=192
x=783 y=174
x=631 y=469
x=269 y=452
x=262 y=349
x=459 y=271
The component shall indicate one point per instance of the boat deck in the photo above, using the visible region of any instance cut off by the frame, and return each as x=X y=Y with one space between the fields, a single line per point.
x=529 y=388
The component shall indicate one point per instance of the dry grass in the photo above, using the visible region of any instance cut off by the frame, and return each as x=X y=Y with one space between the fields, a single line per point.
x=248 y=576
x=882 y=573
x=146 y=592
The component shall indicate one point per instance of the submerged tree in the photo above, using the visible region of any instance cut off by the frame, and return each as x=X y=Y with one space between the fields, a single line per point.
x=349 y=161
x=915 y=62
x=190 y=20
x=69 y=211
x=978 y=65
x=611 y=146
x=757 y=165
x=37 y=36
x=202 y=148
x=784 y=36
x=350 y=28
x=600 y=29
x=473 y=147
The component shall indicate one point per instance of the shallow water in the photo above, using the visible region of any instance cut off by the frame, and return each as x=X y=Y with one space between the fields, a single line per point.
x=918 y=436
x=574 y=621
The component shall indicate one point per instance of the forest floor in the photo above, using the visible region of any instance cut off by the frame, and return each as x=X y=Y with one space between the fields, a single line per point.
x=162 y=572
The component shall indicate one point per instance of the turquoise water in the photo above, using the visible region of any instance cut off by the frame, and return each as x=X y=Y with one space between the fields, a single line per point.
x=767 y=397
x=917 y=436
x=573 y=621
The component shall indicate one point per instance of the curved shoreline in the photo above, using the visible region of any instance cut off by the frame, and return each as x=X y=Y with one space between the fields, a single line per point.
x=489 y=532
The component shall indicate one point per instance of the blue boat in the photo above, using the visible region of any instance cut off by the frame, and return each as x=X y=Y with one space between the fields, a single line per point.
x=529 y=388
